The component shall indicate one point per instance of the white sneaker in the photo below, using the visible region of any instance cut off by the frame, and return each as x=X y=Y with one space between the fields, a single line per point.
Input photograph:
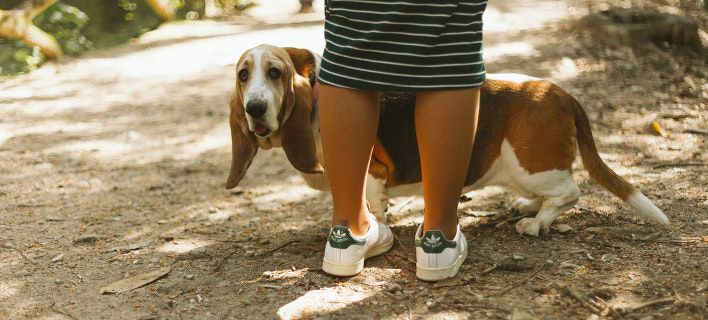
x=436 y=257
x=345 y=253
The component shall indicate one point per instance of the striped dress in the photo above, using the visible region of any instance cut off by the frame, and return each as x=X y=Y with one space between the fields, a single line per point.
x=403 y=45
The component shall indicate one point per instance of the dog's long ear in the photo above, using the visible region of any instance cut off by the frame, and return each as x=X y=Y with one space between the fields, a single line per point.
x=304 y=63
x=298 y=140
x=243 y=142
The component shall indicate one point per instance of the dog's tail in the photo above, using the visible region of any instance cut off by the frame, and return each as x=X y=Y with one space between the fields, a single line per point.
x=601 y=173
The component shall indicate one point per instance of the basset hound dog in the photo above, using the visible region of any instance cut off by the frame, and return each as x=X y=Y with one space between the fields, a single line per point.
x=526 y=138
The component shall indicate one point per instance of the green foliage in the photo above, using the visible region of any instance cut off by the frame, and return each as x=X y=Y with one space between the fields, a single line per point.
x=115 y=22
x=66 y=24
x=188 y=9
x=81 y=25
x=16 y=57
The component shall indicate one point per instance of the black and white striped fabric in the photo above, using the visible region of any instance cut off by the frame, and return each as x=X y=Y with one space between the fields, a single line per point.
x=403 y=45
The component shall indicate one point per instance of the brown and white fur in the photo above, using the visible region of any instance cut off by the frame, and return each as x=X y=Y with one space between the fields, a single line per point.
x=526 y=138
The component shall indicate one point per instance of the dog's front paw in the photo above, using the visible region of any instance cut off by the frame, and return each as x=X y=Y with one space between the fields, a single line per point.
x=528 y=226
x=523 y=205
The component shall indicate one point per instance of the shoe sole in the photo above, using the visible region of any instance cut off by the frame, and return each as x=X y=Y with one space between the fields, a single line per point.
x=348 y=270
x=437 y=274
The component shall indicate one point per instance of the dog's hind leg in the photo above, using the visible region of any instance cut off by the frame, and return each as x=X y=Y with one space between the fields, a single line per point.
x=377 y=197
x=552 y=207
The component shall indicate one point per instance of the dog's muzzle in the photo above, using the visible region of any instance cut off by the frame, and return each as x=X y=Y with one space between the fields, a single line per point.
x=256 y=109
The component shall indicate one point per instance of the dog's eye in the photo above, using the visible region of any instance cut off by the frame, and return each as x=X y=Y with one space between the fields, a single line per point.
x=274 y=73
x=243 y=75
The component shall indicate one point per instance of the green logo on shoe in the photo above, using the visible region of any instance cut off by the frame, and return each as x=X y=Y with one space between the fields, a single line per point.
x=341 y=238
x=433 y=241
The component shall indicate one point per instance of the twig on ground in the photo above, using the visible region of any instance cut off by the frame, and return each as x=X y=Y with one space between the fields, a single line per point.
x=513 y=219
x=270 y=286
x=679 y=164
x=405 y=205
x=278 y=247
x=660 y=240
x=406 y=266
x=400 y=244
x=24 y=256
x=652 y=303
x=575 y=295
x=60 y=311
x=696 y=130
x=489 y=270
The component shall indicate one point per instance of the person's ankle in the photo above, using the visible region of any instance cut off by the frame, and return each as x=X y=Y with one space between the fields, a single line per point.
x=357 y=229
x=449 y=231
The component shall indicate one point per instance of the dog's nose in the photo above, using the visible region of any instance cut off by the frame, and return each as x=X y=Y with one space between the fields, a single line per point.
x=256 y=108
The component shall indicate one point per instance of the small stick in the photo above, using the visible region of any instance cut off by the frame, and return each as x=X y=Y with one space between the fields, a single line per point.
x=652 y=303
x=676 y=165
x=661 y=240
x=489 y=270
x=279 y=247
x=270 y=286
x=59 y=311
x=24 y=256
x=507 y=221
x=405 y=205
x=574 y=293
x=400 y=244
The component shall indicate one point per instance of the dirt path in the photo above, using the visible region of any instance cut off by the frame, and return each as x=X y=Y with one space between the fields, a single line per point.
x=113 y=165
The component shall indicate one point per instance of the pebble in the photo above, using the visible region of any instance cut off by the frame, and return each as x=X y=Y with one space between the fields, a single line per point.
x=199 y=298
x=58 y=258
x=429 y=303
x=189 y=277
x=394 y=287
x=563 y=228
x=57 y=281
x=517 y=257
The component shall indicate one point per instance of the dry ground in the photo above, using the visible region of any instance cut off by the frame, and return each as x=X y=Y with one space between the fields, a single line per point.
x=112 y=166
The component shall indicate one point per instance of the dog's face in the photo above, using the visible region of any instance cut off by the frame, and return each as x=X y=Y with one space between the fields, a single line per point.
x=264 y=80
x=272 y=99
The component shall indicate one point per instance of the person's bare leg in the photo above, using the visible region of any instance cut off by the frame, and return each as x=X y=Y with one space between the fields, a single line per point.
x=445 y=122
x=348 y=123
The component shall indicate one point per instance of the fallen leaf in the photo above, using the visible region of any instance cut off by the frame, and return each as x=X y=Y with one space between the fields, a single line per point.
x=136 y=281
x=656 y=127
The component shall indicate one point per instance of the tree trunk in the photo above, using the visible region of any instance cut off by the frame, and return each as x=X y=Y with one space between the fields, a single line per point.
x=164 y=10
x=17 y=24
